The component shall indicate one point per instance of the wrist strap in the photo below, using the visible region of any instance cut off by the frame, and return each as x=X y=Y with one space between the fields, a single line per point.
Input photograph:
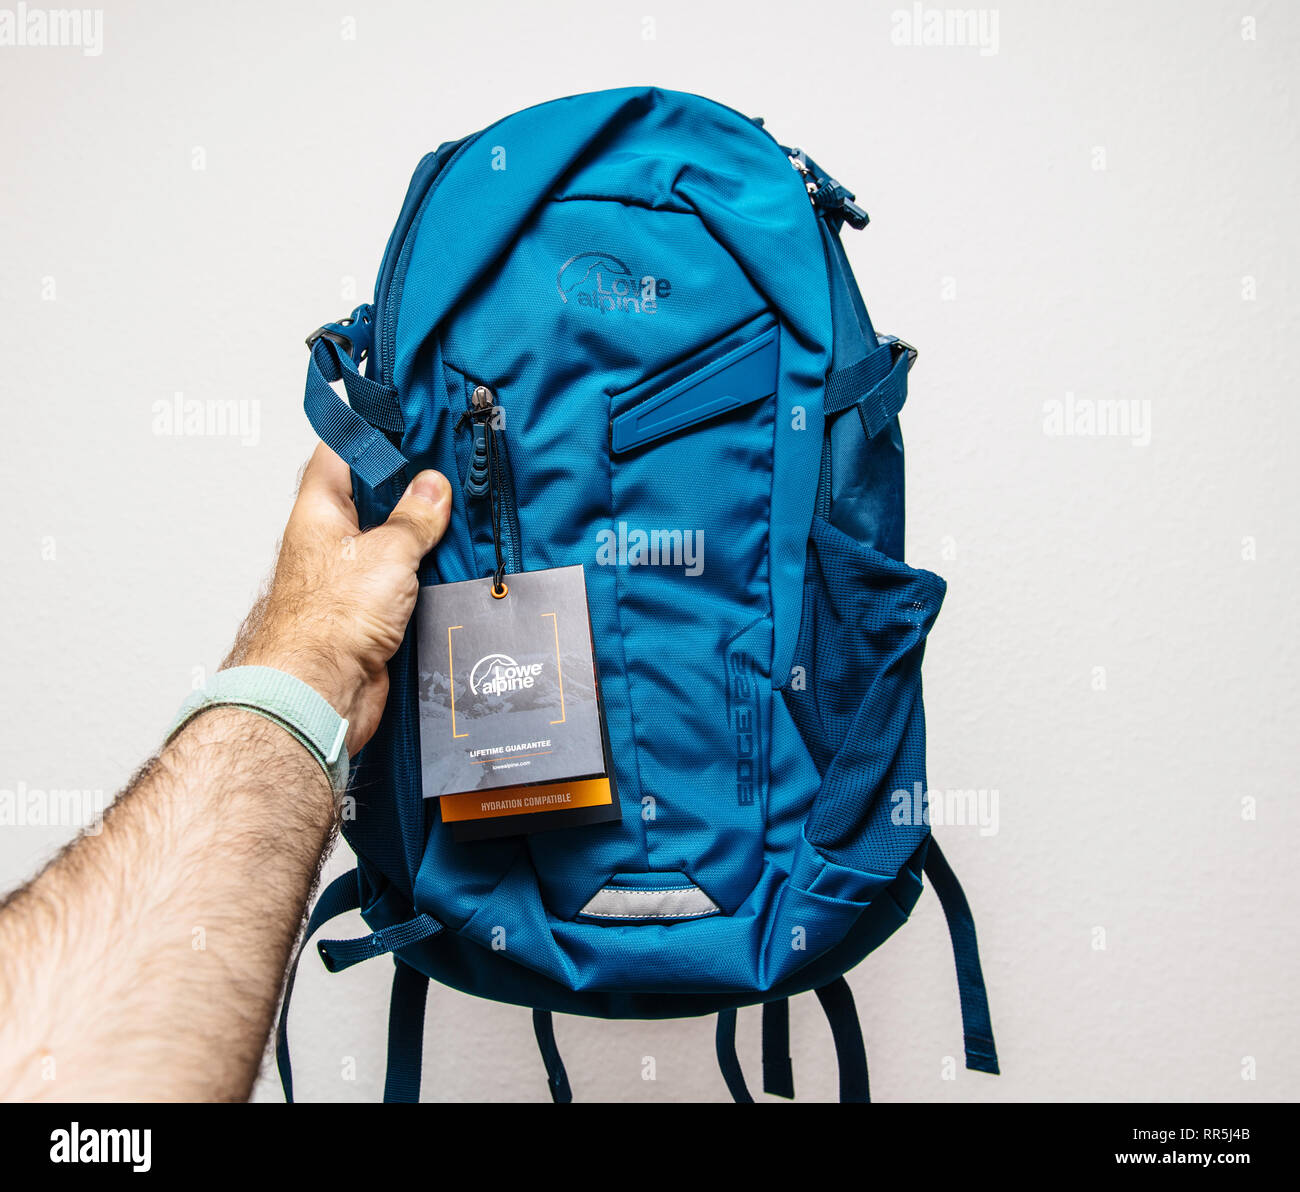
x=287 y=701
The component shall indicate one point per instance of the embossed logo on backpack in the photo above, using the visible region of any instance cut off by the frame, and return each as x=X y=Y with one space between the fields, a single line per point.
x=602 y=282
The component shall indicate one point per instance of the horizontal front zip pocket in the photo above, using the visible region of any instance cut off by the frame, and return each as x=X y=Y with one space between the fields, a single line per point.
x=741 y=368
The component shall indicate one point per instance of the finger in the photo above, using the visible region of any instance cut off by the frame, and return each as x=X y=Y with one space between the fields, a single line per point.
x=327 y=482
x=417 y=523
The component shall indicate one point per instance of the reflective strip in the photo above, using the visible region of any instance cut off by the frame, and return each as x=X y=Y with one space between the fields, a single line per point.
x=616 y=902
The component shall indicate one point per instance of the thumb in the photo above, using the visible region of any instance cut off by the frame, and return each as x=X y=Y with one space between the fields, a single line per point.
x=419 y=519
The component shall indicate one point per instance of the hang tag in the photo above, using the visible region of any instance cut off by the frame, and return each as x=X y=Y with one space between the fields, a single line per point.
x=512 y=734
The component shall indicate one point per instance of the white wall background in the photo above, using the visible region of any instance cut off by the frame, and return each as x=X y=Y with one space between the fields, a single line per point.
x=1103 y=207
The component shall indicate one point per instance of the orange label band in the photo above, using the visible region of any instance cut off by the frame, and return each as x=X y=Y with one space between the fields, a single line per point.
x=523 y=800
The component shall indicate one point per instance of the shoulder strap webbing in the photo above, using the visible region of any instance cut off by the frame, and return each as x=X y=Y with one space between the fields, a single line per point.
x=406 y=1004
x=341 y=895
x=341 y=954
x=778 y=1072
x=405 y=1034
x=557 y=1079
x=977 y=1027
x=728 y=1060
x=876 y=384
x=867 y=371
x=358 y=433
x=837 y=1001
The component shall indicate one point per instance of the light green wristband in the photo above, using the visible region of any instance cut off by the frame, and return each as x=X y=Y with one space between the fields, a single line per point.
x=287 y=701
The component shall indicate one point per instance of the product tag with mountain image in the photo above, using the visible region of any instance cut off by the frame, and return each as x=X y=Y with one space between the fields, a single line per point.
x=512 y=734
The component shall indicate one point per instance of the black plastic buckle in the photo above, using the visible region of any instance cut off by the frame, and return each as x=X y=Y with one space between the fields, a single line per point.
x=912 y=353
x=334 y=337
x=335 y=333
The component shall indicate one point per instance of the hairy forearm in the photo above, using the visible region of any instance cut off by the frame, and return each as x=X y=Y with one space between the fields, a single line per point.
x=145 y=962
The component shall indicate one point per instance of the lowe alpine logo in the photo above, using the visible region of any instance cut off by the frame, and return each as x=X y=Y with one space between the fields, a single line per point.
x=600 y=281
x=495 y=674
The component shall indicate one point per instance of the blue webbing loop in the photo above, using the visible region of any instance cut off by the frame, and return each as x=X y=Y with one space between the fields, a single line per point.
x=557 y=1079
x=876 y=384
x=342 y=894
x=837 y=1001
x=363 y=445
x=376 y=403
x=977 y=1027
x=728 y=1060
x=778 y=1072
x=341 y=954
x=405 y=1034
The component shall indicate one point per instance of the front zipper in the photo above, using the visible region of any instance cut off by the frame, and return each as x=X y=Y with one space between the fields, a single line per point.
x=490 y=476
x=388 y=336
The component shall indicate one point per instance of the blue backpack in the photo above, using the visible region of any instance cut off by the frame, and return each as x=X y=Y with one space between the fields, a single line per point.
x=654 y=293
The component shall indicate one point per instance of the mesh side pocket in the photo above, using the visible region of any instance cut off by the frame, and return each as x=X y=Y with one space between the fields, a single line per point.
x=865 y=620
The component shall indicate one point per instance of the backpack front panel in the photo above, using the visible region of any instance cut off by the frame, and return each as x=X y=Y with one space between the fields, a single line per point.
x=525 y=280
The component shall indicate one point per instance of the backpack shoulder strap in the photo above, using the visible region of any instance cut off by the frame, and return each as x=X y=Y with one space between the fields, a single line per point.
x=837 y=1001
x=778 y=1072
x=341 y=895
x=977 y=1027
x=405 y=1034
x=728 y=1060
x=557 y=1079
x=409 y=993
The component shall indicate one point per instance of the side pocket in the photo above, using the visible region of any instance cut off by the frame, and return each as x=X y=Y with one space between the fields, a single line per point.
x=858 y=708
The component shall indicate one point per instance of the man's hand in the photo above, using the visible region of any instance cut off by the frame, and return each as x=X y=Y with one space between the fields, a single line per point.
x=145 y=962
x=339 y=600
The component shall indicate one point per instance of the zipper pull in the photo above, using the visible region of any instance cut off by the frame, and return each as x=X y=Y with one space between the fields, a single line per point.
x=827 y=195
x=482 y=403
x=480 y=415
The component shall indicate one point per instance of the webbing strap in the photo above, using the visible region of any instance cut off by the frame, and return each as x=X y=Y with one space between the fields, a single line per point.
x=728 y=1060
x=977 y=1027
x=342 y=894
x=376 y=403
x=341 y=954
x=778 y=1072
x=876 y=384
x=557 y=1079
x=405 y=1034
x=356 y=438
x=837 y=1001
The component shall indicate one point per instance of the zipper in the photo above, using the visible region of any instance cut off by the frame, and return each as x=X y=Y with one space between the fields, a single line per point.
x=490 y=477
x=387 y=341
